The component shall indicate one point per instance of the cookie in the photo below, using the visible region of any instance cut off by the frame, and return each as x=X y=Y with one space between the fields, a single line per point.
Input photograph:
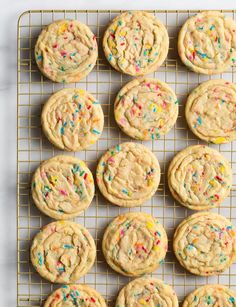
x=66 y=51
x=211 y=296
x=147 y=292
x=134 y=244
x=62 y=187
x=62 y=252
x=199 y=177
x=72 y=119
x=207 y=43
x=75 y=295
x=128 y=174
x=210 y=111
x=205 y=243
x=146 y=108
x=136 y=43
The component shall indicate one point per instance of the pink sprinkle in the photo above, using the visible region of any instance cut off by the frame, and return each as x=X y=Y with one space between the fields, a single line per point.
x=63 y=192
x=85 y=176
x=63 y=53
x=55 y=46
x=122 y=232
x=43 y=174
x=122 y=121
x=112 y=35
x=148 y=85
x=137 y=68
x=157 y=87
x=199 y=19
x=111 y=160
x=164 y=104
x=93 y=300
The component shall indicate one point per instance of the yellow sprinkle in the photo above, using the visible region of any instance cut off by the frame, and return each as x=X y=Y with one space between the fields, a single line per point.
x=150 y=182
x=219 y=140
x=123 y=33
x=62 y=28
x=156 y=248
x=212 y=182
x=61 y=222
x=150 y=225
x=81 y=92
x=161 y=122
x=53 y=179
x=222 y=169
x=148 y=46
x=142 y=302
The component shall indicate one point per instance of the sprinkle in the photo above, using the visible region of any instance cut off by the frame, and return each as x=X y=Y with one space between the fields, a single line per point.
x=68 y=246
x=203 y=55
x=218 y=178
x=232 y=300
x=177 y=101
x=85 y=176
x=219 y=140
x=63 y=192
x=39 y=57
x=76 y=169
x=125 y=191
x=200 y=28
x=95 y=131
x=93 y=299
x=199 y=120
x=118 y=148
x=110 y=57
x=212 y=27
x=40 y=259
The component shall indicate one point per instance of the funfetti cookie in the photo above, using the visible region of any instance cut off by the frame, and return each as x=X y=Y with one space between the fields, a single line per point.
x=72 y=119
x=211 y=296
x=210 y=111
x=205 y=243
x=128 y=174
x=75 y=295
x=136 y=43
x=147 y=292
x=62 y=187
x=66 y=51
x=207 y=43
x=199 y=177
x=134 y=244
x=62 y=252
x=146 y=108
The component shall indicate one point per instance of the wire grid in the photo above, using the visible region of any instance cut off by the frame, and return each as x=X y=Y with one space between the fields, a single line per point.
x=33 y=148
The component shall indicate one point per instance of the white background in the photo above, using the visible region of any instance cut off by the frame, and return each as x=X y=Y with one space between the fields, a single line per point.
x=9 y=12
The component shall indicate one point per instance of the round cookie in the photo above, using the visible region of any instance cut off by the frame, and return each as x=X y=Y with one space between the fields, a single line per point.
x=146 y=108
x=66 y=51
x=210 y=111
x=62 y=187
x=62 y=252
x=128 y=174
x=211 y=296
x=134 y=243
x=72 y=119
x=136 y=43
x=147 y=292
x=199 y=177
x=205 y=243
x=207 y=42
x=75 y=295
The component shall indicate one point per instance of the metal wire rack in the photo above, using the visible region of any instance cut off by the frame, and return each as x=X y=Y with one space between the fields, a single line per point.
x=32 y=148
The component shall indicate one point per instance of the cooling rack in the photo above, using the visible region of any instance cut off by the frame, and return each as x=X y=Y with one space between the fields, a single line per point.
x=32 y=148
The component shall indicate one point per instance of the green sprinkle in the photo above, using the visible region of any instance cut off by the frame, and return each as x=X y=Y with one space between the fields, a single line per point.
x=62 y=68
x=212 y=27
x=120 y=22
x=95 y=131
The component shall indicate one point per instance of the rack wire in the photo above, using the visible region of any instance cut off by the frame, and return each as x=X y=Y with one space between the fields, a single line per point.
x=32 y=148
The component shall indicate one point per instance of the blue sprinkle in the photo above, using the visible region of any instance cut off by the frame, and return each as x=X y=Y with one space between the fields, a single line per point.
x=68 y=246
x=212 y=27
x=232 y=300
x=199 y=120
x=125 y=191
x=39 y=57
x=95 y=131
x=110 y=57
x=190 y=247
x=118 y=147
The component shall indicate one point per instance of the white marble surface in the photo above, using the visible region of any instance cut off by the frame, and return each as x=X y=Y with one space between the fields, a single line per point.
x=10 y=10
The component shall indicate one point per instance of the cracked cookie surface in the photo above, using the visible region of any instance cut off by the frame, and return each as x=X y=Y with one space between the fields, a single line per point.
x=75 y=295
x=211 y=296
x=136 y=43
x=147 y=292
x=66 y=51
x=62 y=187
x=210 y=111
x=207 y=42
x=146 y=108
x=205 y=243
x=72 y=119
x=63 y=251
x=128 y=174
x=134 y=243
x=199 y=177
